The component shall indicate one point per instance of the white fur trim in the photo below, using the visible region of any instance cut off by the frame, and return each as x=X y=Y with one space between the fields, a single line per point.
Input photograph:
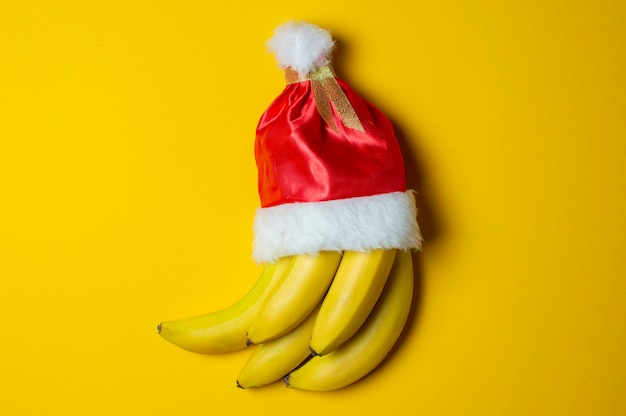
x=359 y=224
x=301 y=46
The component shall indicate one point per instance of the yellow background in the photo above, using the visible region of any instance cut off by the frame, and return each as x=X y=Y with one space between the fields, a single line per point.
x=128 y=188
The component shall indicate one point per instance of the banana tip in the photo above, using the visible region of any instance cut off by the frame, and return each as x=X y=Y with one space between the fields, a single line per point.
x=159 y=328
x=249 y=342
x=313 y=352
x=286 y=380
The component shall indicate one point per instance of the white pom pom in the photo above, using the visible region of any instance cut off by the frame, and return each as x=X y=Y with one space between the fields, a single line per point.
x=301 y=46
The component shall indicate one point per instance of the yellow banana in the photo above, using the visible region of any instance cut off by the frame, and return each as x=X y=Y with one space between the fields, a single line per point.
x=303 y=286
x=274 y=359
x=368 y=347
x=224 y=330
x=358 y=283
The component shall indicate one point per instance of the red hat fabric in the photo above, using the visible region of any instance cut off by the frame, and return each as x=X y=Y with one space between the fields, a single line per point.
x=331 y=173
x=301 y=158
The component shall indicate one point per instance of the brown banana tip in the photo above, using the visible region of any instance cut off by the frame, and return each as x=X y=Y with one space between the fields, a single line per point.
x=239 y=386
x=286 y=380
x=249 y=342
x=159 y=328
x=313 y=352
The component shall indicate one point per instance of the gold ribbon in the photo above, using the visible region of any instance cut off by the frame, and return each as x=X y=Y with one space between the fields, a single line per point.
x=326 y=90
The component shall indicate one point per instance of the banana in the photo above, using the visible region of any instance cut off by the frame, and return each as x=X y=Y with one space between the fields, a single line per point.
x=224 y=330
x=303 y=286
x=358 y=283
x=274 y=359
x=368 y=347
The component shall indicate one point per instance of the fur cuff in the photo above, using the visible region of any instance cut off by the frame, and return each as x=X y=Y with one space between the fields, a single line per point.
x=357 y=224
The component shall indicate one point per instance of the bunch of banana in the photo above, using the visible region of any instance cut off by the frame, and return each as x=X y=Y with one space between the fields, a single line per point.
x=320 y=322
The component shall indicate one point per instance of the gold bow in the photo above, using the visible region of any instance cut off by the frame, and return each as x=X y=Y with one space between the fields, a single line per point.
x=326 y=90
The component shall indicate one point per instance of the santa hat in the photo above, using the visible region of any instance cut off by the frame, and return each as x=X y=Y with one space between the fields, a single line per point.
x=331 y=174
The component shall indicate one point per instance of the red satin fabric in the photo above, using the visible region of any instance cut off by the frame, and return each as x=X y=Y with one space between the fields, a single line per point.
x=300 y=158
